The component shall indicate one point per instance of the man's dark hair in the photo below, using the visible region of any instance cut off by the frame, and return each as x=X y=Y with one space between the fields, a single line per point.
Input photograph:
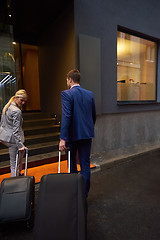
x=74 y=75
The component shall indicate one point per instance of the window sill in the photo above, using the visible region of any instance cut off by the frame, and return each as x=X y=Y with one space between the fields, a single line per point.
x=121 y=103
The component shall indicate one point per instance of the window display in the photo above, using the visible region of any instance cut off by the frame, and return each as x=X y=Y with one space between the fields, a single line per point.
x=136 y=68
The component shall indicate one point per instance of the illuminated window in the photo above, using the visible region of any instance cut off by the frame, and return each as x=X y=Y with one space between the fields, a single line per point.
x=136 y=68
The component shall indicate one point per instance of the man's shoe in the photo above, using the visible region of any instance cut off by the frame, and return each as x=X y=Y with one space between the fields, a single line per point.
x=21 y=174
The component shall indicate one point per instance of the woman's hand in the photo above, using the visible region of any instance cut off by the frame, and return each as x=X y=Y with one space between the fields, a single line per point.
x=22 y=149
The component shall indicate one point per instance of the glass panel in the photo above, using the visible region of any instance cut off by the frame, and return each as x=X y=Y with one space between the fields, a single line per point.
x=136 y=68
x=8 y=65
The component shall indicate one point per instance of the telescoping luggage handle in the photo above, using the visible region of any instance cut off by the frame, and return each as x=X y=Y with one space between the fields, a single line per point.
x=59 y=162
x=26 y=162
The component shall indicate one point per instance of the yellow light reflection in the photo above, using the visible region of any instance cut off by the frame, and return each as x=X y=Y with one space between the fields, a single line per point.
x=11 y=57
x=126 y=47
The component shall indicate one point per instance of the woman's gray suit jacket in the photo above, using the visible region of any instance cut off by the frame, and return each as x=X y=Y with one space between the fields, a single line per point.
x=11 y=126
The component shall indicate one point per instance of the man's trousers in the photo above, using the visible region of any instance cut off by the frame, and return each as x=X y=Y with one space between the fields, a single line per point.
x=83 y=148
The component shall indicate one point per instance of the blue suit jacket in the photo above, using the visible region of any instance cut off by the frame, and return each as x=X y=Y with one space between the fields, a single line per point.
x=78 y=114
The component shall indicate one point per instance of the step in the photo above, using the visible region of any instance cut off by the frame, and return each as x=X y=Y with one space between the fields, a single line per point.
x=37 y=115
x=40 y=138
x=41 y=129
x=43 y=148
x=34 y=161
x=40 y=122
x=34 y=149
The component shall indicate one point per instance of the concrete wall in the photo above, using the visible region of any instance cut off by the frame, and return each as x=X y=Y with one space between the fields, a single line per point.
x=123 y=132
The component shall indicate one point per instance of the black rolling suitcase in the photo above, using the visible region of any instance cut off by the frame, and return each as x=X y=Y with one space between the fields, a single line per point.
x=17 y=197
x=61 y=207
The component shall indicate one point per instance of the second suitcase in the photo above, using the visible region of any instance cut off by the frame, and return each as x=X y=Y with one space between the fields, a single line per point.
x=17 y=198
x=61 y=208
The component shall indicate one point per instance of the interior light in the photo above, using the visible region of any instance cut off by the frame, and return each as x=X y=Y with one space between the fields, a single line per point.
x=10 y=15
x=9 y=79
x=4 y=79
x=14 y=43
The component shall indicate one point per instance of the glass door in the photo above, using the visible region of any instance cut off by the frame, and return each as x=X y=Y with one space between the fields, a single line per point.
x=9 y=73
x=18 y=69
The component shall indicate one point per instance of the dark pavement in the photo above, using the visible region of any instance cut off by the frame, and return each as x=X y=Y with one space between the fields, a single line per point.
x=123 y=204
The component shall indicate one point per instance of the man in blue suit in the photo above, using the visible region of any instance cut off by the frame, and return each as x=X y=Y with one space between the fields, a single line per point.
x=77 y=125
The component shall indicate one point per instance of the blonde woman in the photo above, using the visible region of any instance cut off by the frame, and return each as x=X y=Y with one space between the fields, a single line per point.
x=11 y=133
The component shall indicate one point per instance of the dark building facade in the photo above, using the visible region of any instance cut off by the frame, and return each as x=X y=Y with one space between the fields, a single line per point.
x=114 y=44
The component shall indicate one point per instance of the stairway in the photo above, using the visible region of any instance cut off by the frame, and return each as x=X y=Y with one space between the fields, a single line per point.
x=41 y=131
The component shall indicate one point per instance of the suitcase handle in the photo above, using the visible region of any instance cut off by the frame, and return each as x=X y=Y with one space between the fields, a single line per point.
x=69 y=162
x=26 y=161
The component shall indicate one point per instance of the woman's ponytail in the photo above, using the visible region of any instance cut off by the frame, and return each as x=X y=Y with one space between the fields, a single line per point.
x=8 y=104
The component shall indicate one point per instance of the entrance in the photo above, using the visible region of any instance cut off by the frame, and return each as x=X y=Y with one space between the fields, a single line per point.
x=29 y=75
x=18 y=69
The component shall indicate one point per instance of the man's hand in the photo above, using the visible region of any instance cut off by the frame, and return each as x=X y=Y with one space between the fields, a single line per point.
x=62 y=145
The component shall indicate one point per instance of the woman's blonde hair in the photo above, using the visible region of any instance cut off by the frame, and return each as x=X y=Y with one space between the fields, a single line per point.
x=21 y=93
